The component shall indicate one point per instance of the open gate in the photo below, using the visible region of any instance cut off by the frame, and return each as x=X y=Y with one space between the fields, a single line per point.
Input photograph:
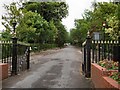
x=16 y=54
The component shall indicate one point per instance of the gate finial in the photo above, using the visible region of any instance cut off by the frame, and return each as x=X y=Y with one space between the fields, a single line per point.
x=88 y=33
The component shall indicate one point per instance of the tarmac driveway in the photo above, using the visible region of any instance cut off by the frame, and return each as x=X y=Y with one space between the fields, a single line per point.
x=61 y=69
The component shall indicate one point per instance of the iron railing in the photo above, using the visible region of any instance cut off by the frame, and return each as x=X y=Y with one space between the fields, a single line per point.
x=16 y=54
x=94 y=51
x=101 y=50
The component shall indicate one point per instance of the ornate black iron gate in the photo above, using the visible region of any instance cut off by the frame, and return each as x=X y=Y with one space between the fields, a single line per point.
x=16 y=54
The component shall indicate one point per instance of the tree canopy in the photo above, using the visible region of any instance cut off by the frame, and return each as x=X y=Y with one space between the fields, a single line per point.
x=93 y=20
x=48 y=10
x=37 y=22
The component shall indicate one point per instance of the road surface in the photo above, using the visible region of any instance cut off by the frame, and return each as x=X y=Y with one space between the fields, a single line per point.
x=61 y=69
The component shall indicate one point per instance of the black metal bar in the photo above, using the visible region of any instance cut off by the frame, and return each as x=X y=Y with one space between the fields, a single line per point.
x=102 y=51
x=112 y=50
x=98 y=51
x=5 y=53
x=14 y=57
x=93 y=52
x=28 y=58
x=2 y=52
x=111 y=56
x=84 y=69
x=8 y=54
x=108 y=51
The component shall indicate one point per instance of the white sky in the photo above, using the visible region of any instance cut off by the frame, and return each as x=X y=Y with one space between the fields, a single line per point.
x=76 y=9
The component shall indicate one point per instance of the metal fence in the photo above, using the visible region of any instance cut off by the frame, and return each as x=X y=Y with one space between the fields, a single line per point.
x=101 y=50
x=94 y=51
x=16 y=54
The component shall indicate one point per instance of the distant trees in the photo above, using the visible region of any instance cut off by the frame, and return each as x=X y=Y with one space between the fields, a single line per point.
x=37 y=22
x=61 y=34
x=78 y=34
x=93 y=21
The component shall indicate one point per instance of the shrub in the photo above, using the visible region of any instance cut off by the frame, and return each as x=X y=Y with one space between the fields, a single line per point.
x=109 y=64
x=115 y=76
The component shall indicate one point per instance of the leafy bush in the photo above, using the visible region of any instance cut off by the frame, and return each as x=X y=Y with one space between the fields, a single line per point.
x=109 y=64
x=115 y=76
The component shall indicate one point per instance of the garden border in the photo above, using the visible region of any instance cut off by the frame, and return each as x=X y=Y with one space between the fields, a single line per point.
x=100 y=79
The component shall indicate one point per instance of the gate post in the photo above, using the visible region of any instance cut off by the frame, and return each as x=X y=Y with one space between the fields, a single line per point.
x=88 y=48
x=14 y=56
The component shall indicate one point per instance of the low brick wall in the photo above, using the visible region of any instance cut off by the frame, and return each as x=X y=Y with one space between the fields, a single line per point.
x=100 y=79
x=4 y=71
x=110 y=83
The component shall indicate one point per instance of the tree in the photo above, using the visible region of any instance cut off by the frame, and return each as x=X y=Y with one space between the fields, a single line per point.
x=61 y=34
x=13 y=13
x=113 y=29
x=78 y=34
x=52 y=32
x=105 y=12
x=32 y=28
x=49 y=10
x=93 y=21
x=53 y=12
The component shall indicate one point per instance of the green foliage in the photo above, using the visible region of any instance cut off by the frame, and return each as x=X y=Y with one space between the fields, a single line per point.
x=115 y=76
x=105 y=12
x=12 y=13
x=31 y=28
x=110 y=65
x=49 y=10
x=6 y=35
x=78 y=34
x=37 y=22
x=52 y=32
x=61 y=34
x=113 y=31
x=93 y=21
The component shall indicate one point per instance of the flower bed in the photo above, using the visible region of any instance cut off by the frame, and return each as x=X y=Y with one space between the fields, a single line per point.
x=100 y=77
x=112 y=69
x=115 y=76
x=108 y=64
